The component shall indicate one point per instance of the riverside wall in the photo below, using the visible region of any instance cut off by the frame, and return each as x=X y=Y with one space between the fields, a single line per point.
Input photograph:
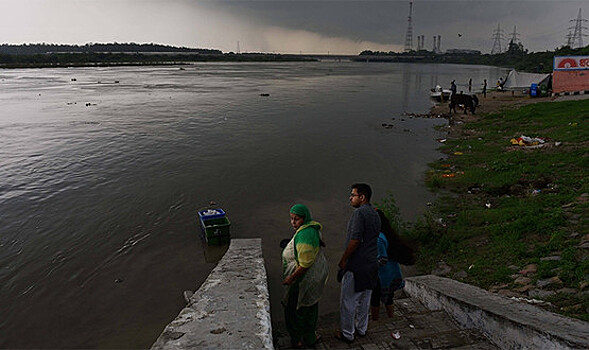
x=509 y=323
x=231 y=310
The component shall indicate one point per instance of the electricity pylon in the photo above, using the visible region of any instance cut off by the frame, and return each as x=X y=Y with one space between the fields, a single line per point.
x=409 y=35
x=514 y=36
x=498 y=36
x=576 y=40
x=569 y=37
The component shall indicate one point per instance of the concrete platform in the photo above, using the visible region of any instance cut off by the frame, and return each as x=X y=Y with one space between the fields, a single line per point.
x=231 y=310
x=416 y=326
x=440 y=313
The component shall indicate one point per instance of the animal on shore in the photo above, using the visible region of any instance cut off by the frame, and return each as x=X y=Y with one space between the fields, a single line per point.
x=468 y=101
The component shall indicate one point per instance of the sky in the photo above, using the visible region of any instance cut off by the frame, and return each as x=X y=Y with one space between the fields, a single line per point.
x=291 y=26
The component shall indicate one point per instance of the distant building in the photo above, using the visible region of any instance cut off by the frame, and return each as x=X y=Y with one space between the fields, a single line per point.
x=463 y=52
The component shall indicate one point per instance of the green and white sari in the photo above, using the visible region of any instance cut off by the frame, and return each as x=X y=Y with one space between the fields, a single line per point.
x=301 y=299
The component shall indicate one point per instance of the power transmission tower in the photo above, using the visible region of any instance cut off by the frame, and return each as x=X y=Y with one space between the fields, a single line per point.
x=409 y=35
x=576 y=40
x=514 y=36
x=498 y=36
x=569 y=37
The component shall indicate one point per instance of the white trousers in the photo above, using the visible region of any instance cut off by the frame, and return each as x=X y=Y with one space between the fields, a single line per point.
x=354 y=308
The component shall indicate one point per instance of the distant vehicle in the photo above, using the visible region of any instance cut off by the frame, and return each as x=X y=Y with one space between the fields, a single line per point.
x=440 y=94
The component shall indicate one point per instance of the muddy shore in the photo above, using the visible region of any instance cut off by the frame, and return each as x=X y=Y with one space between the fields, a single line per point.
x=497 y=101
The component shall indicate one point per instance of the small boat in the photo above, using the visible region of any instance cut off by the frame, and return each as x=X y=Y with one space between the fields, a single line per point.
x=440 y=94
x=215 y=225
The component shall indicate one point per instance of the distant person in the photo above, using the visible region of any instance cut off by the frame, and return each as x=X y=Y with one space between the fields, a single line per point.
x=305 y=273
x=453 y=87
x=500 y=84
x=470 y=85
x=392 y=250
x=485 y=88
x=358 y=265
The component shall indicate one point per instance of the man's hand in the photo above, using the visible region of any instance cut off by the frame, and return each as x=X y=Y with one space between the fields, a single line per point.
x=352 y=246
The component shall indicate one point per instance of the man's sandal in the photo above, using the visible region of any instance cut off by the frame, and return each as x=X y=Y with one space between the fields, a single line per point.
x=340 y=336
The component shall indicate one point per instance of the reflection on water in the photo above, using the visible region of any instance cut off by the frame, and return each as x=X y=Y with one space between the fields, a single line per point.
x=102 y=176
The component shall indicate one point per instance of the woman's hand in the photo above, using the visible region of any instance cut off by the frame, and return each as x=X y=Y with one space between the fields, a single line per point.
x=288 y=280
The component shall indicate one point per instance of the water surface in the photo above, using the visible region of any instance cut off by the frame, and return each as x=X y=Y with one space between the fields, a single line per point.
x=102 y=171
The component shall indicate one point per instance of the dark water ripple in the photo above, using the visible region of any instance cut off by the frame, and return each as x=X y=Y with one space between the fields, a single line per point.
x=101 y=177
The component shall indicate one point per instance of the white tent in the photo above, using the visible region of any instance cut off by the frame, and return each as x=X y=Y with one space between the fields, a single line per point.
x=520 y=80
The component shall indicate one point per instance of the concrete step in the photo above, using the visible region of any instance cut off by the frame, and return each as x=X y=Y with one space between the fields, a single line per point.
x=415 y=325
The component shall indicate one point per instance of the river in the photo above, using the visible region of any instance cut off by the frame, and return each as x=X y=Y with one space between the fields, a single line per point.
x=102 y=171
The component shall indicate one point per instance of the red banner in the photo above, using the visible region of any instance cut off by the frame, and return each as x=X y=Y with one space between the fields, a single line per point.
x=571 y=62
x=571 y=74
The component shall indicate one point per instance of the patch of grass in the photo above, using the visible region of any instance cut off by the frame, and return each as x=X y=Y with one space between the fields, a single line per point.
x=570 y=305
x=512 y=206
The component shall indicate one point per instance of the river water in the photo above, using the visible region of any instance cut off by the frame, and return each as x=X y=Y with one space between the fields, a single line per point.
x=102 y=171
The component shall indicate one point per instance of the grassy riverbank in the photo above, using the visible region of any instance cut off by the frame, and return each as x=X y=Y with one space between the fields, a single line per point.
x=514 y=219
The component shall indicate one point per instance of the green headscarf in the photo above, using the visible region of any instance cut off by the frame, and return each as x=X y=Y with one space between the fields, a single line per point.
x=302 y=211
x=313 y=281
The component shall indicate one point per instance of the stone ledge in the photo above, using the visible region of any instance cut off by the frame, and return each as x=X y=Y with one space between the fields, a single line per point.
x=231 y=310
x=507 y=323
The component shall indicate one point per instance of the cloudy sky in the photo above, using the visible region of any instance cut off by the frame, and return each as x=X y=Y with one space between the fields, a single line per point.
x=290 y=26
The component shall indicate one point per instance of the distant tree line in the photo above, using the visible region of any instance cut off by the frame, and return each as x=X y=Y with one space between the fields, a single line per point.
x=53 y=55
x=34 y=49
x=49 y=55
x=515 y=57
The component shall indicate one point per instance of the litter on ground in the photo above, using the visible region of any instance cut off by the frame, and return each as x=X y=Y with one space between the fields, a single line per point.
x=528 y=141
x=529 y=301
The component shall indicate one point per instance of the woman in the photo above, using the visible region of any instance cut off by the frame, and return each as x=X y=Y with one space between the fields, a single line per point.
x=392 y=250
x=305 y=273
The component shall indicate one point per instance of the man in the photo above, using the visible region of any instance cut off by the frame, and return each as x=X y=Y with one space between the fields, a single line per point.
x=359 y=265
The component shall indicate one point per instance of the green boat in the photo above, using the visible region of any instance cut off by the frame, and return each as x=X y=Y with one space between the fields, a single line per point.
x=215 y=225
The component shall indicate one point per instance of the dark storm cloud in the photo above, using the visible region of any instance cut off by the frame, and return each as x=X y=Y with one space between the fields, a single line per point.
x=290 y=26
x=540 y=24
x=358 y=20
